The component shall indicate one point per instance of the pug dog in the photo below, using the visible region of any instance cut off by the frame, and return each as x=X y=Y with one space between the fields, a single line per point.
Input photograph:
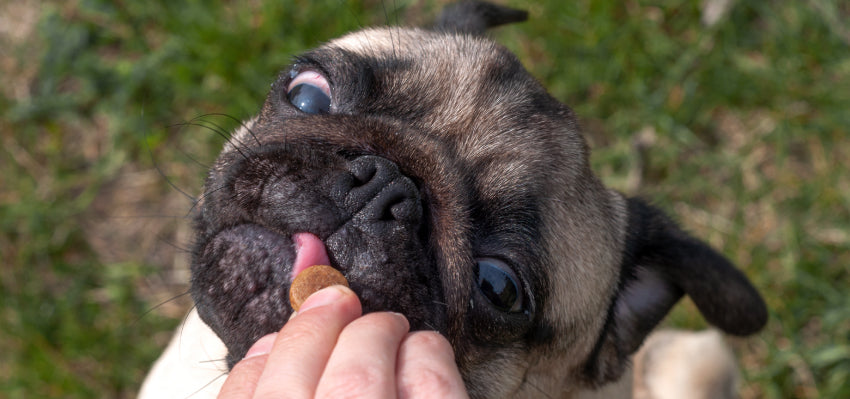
x=432 y=170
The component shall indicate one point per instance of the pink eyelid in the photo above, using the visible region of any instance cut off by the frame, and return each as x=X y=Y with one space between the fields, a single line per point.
x=312 y=78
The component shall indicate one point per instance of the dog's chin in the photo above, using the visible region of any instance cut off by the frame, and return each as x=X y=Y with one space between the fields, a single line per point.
x=246 y=281
x=258 y=265
x=242 y=290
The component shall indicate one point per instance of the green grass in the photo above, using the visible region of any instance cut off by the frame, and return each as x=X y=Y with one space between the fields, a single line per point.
x=747 y=122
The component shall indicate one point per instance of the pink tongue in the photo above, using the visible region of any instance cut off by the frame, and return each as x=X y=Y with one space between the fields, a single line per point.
x=309 y=251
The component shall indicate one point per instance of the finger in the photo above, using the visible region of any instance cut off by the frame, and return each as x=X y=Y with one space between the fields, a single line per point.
x=305 y=343
x=243 y=378
x=426 y=368
x=363 y=363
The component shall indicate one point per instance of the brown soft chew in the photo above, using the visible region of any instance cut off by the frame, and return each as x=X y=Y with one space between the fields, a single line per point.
x=311 y=280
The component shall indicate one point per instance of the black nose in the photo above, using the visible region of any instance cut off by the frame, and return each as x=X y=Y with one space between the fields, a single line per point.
x=379 y=192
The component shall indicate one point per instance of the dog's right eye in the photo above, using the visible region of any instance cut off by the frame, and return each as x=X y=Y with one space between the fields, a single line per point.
x=499 y=284
x=310 y=92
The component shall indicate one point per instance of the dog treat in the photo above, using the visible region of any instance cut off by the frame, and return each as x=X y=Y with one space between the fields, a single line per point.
x=311 y=280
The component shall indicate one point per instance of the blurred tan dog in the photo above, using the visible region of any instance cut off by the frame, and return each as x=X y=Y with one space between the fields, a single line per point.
x=446 y=184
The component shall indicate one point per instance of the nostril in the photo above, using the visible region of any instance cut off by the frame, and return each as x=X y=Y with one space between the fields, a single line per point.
x=372 y=170
x=364 y=174
x=406 y=211
x=369 y=176
x=399 y=201
x=396 y=206
x=379 y=192
x=385 y=204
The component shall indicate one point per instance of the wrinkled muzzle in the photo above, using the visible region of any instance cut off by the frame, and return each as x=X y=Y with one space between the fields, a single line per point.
x=278 y=209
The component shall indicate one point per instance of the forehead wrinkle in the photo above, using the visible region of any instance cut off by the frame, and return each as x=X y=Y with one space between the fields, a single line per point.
x=502 y=179
x=374 y=42
x=454 y=69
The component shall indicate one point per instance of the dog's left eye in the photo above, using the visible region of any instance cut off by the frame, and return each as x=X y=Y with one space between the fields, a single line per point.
x=499 y=284
x=310 y=92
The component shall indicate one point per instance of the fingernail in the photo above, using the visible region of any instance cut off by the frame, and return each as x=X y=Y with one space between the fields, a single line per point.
x=402 y=318
x=324 y=297
x=263 y=346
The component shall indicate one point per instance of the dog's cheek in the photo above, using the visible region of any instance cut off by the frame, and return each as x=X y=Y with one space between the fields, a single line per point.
x=494 y=371
x=488 y=325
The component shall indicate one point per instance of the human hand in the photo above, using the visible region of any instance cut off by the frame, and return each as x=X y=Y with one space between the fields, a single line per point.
x=330 y=350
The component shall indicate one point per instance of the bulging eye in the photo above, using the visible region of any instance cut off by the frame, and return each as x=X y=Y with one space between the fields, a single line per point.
x=499 y=284
x=310 y=92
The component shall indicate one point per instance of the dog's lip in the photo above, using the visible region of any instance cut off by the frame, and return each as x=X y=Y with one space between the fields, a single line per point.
x=309 y=251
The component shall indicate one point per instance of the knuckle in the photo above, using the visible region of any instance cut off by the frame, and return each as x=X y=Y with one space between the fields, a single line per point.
x=386 y=322
x=426 y=382
x=430 y=341
x=356 y=382
x=430 y=372
x=301 y=330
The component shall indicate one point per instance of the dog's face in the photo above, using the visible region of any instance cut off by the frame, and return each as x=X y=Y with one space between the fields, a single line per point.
x=444 y=182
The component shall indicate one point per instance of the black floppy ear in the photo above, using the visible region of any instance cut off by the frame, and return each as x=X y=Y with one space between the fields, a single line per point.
x=475 y=17
x=660 y=264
